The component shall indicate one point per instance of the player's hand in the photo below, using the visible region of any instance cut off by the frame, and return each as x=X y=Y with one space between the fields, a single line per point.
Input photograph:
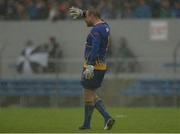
x=75 y=12
x=89 y=72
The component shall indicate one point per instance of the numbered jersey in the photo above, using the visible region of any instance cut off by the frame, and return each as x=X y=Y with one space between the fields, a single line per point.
x=96 y=46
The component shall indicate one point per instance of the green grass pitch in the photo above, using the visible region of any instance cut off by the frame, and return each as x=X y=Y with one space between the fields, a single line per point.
x=62 y=120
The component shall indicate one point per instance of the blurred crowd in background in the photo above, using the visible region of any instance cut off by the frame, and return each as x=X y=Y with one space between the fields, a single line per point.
x=41 y=58
x=109 y=9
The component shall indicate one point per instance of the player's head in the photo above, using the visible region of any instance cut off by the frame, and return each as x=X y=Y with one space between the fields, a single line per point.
x=92 y=15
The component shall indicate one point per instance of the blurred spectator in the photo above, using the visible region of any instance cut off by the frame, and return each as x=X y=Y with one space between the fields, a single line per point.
x=32 y=9
x=165 y=9
x=24 y=64
x=105 y=8
x=55 y=52
x=116 y=11
x=78 y=3
x=53 y=10
x=11 y=13
x=176 y=11
x=155 y=6
x=42 y=9
x=126 y=61
x=143 y=10
x=2 y=9
x=63 y=9
x=88 y=3
x=127 y=10
x=109 y=9
x=21 y=11
x=54 y=48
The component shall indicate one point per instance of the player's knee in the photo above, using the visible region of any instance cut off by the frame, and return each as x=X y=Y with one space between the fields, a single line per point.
x=89 y=96
x=97 y=98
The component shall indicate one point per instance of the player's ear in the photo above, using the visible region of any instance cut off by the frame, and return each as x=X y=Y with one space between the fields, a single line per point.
x=85 y=13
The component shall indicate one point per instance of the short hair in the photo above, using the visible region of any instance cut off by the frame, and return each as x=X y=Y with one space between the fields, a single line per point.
x=95 y=12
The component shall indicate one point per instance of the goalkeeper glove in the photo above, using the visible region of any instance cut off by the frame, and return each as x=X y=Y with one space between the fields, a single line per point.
x=76 y=12
x=89 y=72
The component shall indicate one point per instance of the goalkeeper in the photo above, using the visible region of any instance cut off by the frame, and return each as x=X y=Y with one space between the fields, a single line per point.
x=95 y=65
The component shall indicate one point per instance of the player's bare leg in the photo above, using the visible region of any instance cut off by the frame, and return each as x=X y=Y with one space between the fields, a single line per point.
x=99 y=105
x=89 y=97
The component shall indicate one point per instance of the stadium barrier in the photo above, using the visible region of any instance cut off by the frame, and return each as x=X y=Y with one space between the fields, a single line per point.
x=127 y=90
x=69 y=87
x=49 y=87
x=154 y=87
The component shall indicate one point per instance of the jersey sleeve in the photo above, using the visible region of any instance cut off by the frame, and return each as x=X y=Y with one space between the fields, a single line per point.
x=96 y=41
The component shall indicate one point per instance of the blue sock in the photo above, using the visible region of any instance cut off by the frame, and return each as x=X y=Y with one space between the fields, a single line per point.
x=87 y=114
x=101 y=108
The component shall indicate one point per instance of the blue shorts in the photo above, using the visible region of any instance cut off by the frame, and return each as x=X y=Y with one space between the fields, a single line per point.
x=95 y=82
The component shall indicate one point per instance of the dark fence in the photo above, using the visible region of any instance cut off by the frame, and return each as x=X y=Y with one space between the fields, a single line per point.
x=68 y=92
x=155 y=87
x=11 y=87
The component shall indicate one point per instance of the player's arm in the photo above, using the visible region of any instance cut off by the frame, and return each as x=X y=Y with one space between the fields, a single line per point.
x=77 y=13
x=91 y=59
x=96 y=40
